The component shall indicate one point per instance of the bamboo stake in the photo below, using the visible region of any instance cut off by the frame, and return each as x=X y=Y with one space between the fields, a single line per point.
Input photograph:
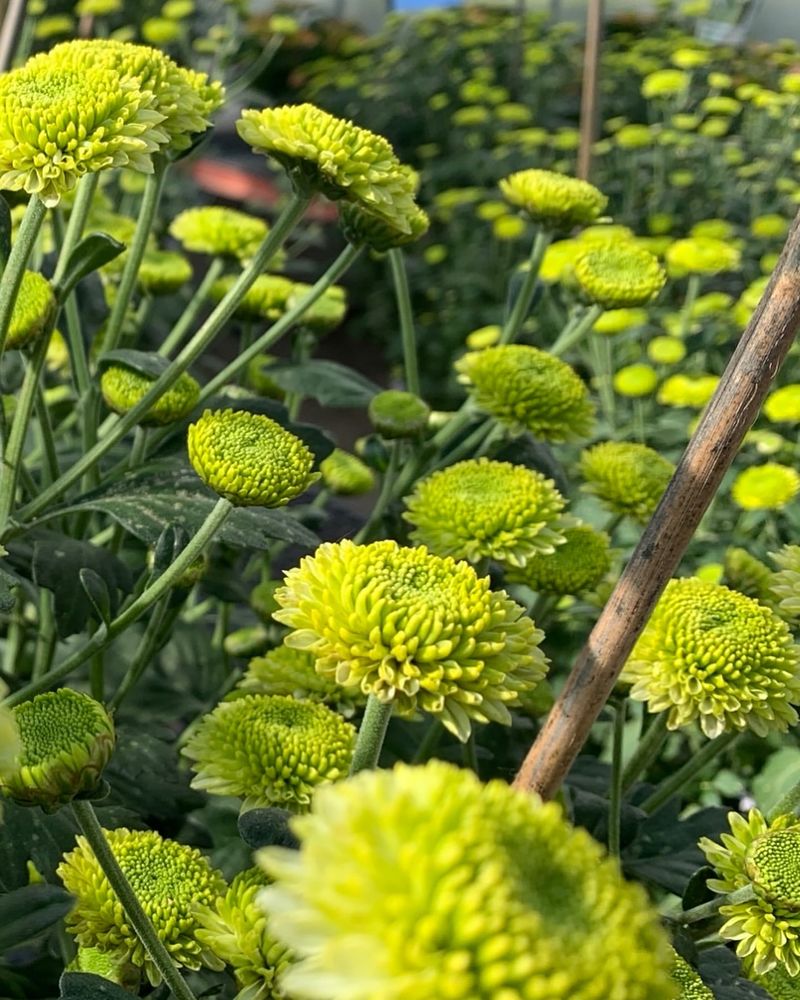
x=732 y=410
x=590 y=91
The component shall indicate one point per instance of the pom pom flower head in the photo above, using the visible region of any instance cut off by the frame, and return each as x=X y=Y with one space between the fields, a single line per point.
x=713 y=655
x=619 y=277
x=346 y=474
x=269 y=750
x=169 y=879
x=784 y=584
x=65 y=741
x=765 y=487
x=691 y=985
x=481 y=509
x=553 y=200
x=528 y=389
x=422 y=883
x=33 y=310
x=219 y=232
x=765 y=856
x=577 y=565
x=702 y=255
x=249 y=459
x=379 y=233
x=628 y=478
x=122 y=388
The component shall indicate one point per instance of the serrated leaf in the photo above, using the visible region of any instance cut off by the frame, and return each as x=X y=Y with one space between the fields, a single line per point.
x=330 y=383
x=144 y=363
x=88 y=986
x=91 y=253
x=28 y=911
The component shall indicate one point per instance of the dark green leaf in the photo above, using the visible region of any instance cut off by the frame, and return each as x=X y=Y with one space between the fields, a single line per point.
x=5 y=232
x=330 y=383
x=28 y=911
x=780 y=774
x=87 y=986
x=697 y=891
x=150 y=365
x=97 y=594
x=91 y=253
x=721 y=972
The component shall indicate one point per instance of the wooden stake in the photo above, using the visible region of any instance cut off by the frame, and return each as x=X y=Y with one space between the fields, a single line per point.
x=732 y=410
x=9 y=33
x=590 y=95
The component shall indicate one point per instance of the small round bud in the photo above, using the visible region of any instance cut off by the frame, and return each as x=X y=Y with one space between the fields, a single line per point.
x=346 y=474
x=33 y=310
x=163 y=272
x=619 y=277
x=635 y=381
x=553 y=200
x=122 y=388
x=397 y=414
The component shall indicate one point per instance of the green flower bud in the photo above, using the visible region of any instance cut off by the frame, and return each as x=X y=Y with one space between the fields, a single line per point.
x=748 y=575
x=628 y=478
x=553 y=200
x=691 y=985
x=265 y=299
x=246 y=641
x=783 y=405
x=702 y=255
x=577 y=565
x=262 y=599
x=33 y=310
x=323 y=315
x=345 y=474
x=619 y=277
x=666 y=350
x=784 y=584
x=219 y=232
x=66 y=739
x=765 y=487
x=122 y=388
x=688 y=390
x=635 y=381
x=258 y=378
x=163 y=272
x=397 y=414
x=363 y=228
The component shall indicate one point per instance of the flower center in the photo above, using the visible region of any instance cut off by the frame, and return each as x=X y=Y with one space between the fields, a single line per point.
x=773 y=863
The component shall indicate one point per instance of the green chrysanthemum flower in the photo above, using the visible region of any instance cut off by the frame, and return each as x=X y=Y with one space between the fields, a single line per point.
x=688 y=390
x=65 y=741
x=33 y=310
x=234 y=927
x=481 y=509
x=635 y=381
x=335 y=157
x=553 y=200
x=420 y=883
x=345 y=474
x=716 y=656
x=765 y=856
x=628 y=478
x=249 y=459
x=412 y=628
x=323 y=315
x=265 y=299
x=97 y=962
x=784 y=585
x=58 y=123
x=779 y=984
x=10 y=745
x=395 y=413
x=169 y=879
x=691 y=985
x=621 y=276
x=219 y=232
x=665 y=83
x=163 y=272
x=122 y=388
x=702 y=255
x=783 y=405
x=269 y=750
x=528 y=389
x=577 y=565
x=363 y=228
x=748 y=575
x=765 y=487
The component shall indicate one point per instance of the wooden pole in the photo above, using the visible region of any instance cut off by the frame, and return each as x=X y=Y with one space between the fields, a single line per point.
x=590 y=94
x=9 y=33
x=732 y=410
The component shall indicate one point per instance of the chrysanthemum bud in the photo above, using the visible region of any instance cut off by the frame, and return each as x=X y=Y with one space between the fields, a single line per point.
x=702 y=255
x=323 y=315
x=219 y=231
x=778 y=984
x=163 y=272
x=635 y=381
x=122 y=388
x=765 y=487
x=783 y=405
x=265 y=299
x=262 y=599
x=619 y=276
x=784 y=584
x=691 y=985
x=33 y=310
x=579 y=564
x=748 y=575
x=65 y=740
x=397 y=414
x=363 y=228
x=629 y=478
x=345 y=474
x=554 y=200
x=688 y=390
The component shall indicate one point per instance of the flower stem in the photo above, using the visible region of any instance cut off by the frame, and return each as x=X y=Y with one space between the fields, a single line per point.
x=371 y=735
x=711 y=908
x=407 y=333
x=140 y=922
x=192 y=308
x=385 y=495
x=600 y=348
x=688 y=772
x=17 y=262
x=522 y=303
x=692 y=289
x=646 y=752
x=577 y=327
x=615 y=792
x=429 y=742
x=145 y=651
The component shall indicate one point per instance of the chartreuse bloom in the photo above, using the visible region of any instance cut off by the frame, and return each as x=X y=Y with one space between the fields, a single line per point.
x=481 y=509
x=765 y=856
x=577 y=565
x=628 y=478
x=169 y=879
x=635 y=381
x=713 y=655
x=345 y=474
x=666 y=350
x=249 y=459
x=288 y=671
x=527 y=389
x=100 y=963
x=765 y=487
x=65 y=741
x=691 y=985
x=413 y=629
x=323 y=315
x=783 y=405
x=613 y=321
x=163 y=272
x=122 y=388
x=620 y=276
x=688 y=390
x=266 y=298
x=395 y=413
x=748 y=575
x=362 y=227
x=665 y=83
x=234 y=927
x=219 y=232
x=421 y=883
x=702 y=255
x=778 y=983
x=33 y=310
x=269 y=750
x=784 y=583
x=553 y=200
x=333 y=156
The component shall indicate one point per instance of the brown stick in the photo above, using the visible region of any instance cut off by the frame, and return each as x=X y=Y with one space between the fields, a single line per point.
x=729 y=415
x=590 y=91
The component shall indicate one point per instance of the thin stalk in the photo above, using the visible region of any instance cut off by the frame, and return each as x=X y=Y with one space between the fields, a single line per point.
x=575 y=330
x=84 y=195
x=90 y=827
x=542 y=608
x=692 y=290
x=385 y=495
x=106 y=634
x=615 y=792
x=600 y=349
x=14 y=270
x=46 y=635
x=686 y=774
x=647 y=751
x=50 y=470
x=712 y=907
x=97 y=677
x=145 y=651
x=196 y=346
x=371 y=735
x=429 y=742
x=468 y=447
x=408 y=335
x=469 y=752
x=193 y=307
x=14 y=642
x=522 y=303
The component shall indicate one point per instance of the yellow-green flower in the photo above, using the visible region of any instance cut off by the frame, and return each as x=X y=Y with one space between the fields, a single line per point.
x=288 y=671
x=345 y=474
x=123 y=388
x=577 y=565
x=665 y=83
x=770 y=226
x=269 y=750
x=33 y=310
x=613 y=321
x=323 y=315
x=65 y=741
x=484 y=336
x=323 y=153
x=422 y=883
x=163 y=272
x=234 y=927
x=778 y=983
x=169 y=880
x=362 y=227
x=398 y=414
x=688 y=390
x=219 y=231
x=702 y=255
x=666 y=350
x=765 y=487
x=265 y=299
x=784 y=584
x=160 y=30
x=748 y=575
x=528 y=389
x=783 y=405
x=713 y=655
x=629 y=478
x=691 y=985
x=766 y=856
x=249 y=459
x=635 y=381
x=412 y=628
x=553 y=200
x=481 y=509
x=619 y=277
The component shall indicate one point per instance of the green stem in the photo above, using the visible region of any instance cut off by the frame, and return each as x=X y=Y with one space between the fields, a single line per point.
x=106 y=634
x=46 y=635
x=193 y=307
x=50 y=470
x=686 y=774
x=199 y=342
x=17 y=262
x=711 y=908
x=145 y=652
x=470 y=753
x=692 y=290
x=385 y=495
x=542 y=607
x=576 y=329
x=522 y=303
x=97 y=677
x=600 y=348
x=468 y=447
x=84 y=195
x=646 y=752
x=408 y=335
x=371 y=735
x=615 y=794
x=140 y=922
x=429 y=741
